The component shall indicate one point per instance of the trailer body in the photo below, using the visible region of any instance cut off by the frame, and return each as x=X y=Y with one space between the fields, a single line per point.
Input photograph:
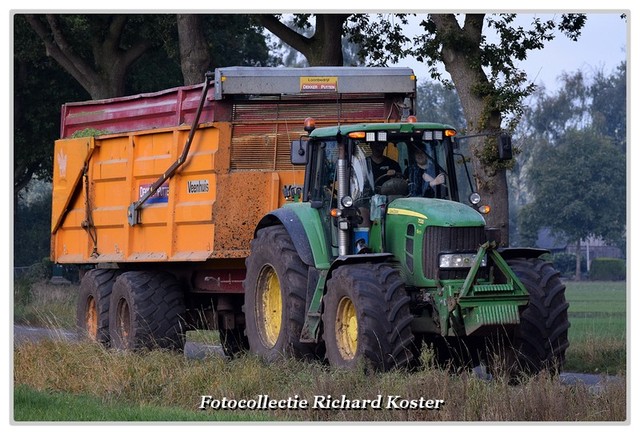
x=237 y=170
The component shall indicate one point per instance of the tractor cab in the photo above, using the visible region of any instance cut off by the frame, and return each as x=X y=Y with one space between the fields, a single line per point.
x=355 y=172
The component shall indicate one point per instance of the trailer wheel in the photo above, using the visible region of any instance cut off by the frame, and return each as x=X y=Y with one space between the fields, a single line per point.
x=275 y=296
x=92 y=310
x=541 y=340
x=366 y=318
x=146 y=311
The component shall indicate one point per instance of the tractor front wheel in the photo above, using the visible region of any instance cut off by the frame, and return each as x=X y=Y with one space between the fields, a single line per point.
x=541 y=339
x=366 y=318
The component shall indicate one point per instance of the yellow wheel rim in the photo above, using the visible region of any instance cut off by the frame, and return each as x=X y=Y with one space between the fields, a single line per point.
x=91 y=318
x=347 y=329
x=269 y=307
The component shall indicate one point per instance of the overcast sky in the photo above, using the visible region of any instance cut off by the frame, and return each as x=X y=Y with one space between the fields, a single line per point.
x=602 y=46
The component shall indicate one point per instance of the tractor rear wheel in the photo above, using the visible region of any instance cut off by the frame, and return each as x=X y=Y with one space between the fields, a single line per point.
x=275 y=296
x=366 y=318
x=147 y=310
x=541 y=339
x=92 y=310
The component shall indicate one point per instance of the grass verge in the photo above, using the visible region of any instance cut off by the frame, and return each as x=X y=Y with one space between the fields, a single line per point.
x=165 y=381
x=32 y=405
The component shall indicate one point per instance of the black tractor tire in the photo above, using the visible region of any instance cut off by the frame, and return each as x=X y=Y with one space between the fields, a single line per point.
x=541 y=339
x=275 y=297
x=92 y=309
x=366 y=318
x=147 y=310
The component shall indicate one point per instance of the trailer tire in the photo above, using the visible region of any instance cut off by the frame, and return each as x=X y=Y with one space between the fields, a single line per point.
x=366 y=318
x=275 y=296
x=146 y=311
x=541 y=339
x=92 y=309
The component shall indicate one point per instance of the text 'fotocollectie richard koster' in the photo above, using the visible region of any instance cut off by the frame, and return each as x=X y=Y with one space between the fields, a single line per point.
x=328 y=402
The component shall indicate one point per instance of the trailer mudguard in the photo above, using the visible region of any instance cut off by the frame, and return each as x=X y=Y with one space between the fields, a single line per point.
x=305 y=228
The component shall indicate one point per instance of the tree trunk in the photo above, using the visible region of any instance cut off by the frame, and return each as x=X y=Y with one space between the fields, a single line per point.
x=461 y=57
x=324 y=48
x=194 y=53
x=578 y=276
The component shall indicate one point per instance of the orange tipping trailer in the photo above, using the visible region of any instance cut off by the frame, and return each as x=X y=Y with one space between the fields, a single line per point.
x=163 y=191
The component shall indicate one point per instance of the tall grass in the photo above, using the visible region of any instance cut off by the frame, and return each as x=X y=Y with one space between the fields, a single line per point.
x=169 y=380
x=39 y=303
x=166 y=382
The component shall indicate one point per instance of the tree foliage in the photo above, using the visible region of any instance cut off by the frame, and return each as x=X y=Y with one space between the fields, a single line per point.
x=97 y=50
x=31 y=231
x=578 y=109
x=579 y=186
x=609 y=108
x=40 y=88
x=439 y=103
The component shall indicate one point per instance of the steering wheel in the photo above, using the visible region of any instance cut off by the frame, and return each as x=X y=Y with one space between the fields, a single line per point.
x=395 y=185
x=382 y=177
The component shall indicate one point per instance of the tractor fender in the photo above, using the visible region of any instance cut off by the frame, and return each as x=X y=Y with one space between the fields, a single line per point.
x=293 y=224
x=509 y=253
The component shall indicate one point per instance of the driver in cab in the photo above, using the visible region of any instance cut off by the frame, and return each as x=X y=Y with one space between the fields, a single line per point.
x=382 y=166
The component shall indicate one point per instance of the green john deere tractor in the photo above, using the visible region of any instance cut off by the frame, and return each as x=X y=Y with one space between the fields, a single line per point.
x=368 y=268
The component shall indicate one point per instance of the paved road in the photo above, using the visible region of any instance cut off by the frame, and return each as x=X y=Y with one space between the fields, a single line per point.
x=198 y=351
x=23 y=334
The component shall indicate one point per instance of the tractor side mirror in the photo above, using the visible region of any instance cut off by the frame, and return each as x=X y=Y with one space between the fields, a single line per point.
x=505 y=150
x=299 y=152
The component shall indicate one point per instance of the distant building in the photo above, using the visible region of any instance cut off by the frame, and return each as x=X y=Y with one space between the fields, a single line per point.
x=589 y=249
x=595 y=248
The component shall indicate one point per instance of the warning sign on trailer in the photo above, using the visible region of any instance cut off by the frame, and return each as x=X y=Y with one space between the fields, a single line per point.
x=318 y=84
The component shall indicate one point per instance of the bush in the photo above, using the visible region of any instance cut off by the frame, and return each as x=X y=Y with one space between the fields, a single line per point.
x=608 y=269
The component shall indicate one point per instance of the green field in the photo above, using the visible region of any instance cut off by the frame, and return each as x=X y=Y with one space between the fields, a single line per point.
x=598 y=333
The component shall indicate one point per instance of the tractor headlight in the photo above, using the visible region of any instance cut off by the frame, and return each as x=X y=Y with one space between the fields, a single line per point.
x=474 y=198
x=456 y=261
x=346 y=201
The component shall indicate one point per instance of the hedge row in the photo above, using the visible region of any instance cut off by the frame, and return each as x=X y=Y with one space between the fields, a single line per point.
x=608 y=269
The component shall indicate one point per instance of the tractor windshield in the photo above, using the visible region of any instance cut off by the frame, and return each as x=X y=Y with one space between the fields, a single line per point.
x=379 y=172
x=399 y=168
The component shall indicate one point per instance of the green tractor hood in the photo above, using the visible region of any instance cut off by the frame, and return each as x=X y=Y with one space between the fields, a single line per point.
x=435 y=212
